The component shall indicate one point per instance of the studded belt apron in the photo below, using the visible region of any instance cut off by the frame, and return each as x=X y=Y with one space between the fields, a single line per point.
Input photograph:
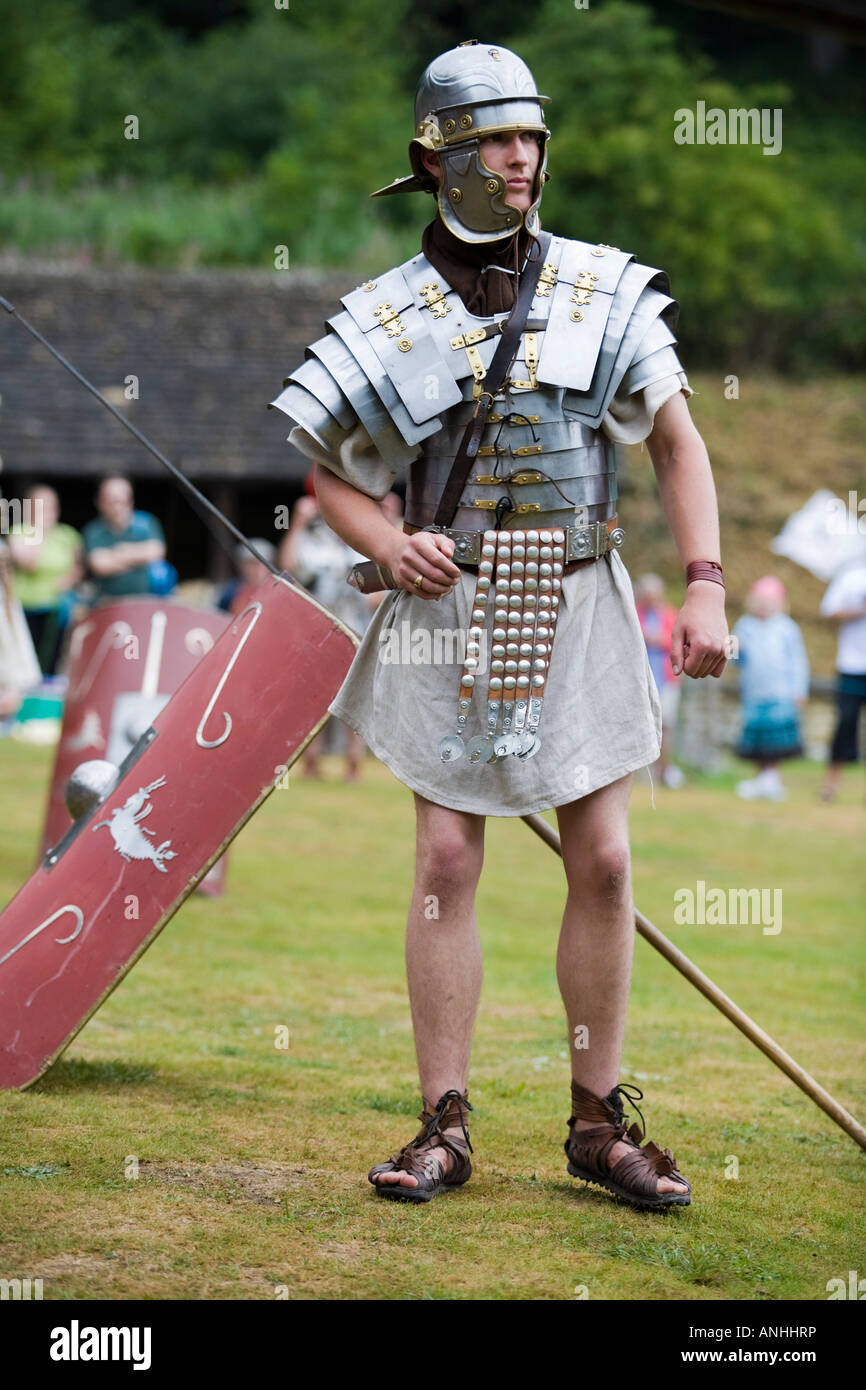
x=521 y=572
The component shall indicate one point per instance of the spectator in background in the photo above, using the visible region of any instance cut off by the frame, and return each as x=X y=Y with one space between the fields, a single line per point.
x=121 y=544
x=48 y=565
x=845 y=603
x=19 y=669
x=774 y=687
x=657 y=620
x=234 y=596
x=320 y=560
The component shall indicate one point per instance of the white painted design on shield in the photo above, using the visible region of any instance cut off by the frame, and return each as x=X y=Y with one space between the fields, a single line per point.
x=198 y=641
x=129 y=836
x=114 y=636
x=199 y=736
x=153 y=660
x=61 y=940
x=90 y=734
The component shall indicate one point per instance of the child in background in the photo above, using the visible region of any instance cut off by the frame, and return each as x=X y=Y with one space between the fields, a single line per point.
x=657 y=620
x=774 y=685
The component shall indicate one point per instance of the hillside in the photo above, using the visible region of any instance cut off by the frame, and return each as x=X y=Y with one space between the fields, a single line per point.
x=770 y=450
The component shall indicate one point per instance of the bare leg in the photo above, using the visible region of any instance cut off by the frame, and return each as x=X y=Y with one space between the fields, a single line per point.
x=665 y=753
x=354 y=755
x=831 y=781
x=443 y=953
x=596 y=944
x=312 y=756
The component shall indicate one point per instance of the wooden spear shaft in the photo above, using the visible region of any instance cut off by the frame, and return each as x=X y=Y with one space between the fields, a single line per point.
x=741 y=1020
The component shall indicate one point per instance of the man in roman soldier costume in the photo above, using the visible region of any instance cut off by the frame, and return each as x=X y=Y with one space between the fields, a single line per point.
x=500 y=367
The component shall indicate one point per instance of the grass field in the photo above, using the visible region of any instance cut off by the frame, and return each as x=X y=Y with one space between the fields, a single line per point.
x=251 y=1158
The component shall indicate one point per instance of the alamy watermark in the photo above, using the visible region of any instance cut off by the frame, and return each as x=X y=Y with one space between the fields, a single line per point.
x=20 y=1289
x=736 y=126
x=438 y=646
x=847 y=520
x=720 y=907
x=855 y=1287
x=25 y=518
x=77 y=1343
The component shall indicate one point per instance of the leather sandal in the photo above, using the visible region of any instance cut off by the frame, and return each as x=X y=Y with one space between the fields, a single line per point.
x=416 y=1157
x=634 y=1176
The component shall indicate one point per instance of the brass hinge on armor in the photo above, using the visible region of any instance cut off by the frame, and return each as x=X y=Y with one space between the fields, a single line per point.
x=518 y=479
x=489 y=504
x=490 y=451
x=531 y=357
x=547 y=278
x=389 y=319
x=584 y=289
x=435 y=300
x=474 y=335
x=513 y=419
x=479 y=371
x=492 y=330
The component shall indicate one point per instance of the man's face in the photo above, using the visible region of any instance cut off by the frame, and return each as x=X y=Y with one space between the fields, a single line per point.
x=114 y=502
x=253 y=571
x=45 y=506
x=514 y=155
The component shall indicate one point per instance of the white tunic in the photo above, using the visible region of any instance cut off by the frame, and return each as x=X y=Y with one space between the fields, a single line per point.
x=601 y=717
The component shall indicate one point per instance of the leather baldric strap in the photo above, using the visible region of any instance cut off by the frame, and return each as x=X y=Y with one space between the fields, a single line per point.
x=498 y=371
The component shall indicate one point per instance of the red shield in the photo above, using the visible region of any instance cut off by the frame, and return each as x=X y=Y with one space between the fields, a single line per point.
x=219 y=747
x=126 y=660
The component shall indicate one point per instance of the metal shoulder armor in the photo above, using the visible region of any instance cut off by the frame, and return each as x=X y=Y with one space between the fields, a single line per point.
x=607 y=314
x=378 y=364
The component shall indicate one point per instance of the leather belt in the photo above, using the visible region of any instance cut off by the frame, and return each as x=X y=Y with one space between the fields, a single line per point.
x=583 y=544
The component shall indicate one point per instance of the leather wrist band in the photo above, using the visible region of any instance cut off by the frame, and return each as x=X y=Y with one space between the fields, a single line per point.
x=704 y=569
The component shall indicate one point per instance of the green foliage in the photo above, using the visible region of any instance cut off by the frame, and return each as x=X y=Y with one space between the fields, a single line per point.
x=767 y=268
x=261 y=127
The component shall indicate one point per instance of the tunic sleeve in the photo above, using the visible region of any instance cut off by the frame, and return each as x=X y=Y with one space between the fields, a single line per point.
x=654 y=375
x=356 y=460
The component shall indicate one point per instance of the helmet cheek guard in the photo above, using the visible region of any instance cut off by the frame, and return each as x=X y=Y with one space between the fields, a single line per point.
x=472 y=198
x=464 y=96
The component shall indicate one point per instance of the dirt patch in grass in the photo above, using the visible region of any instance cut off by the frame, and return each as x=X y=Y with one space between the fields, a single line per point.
x=58 y=1266
x=248 y=1182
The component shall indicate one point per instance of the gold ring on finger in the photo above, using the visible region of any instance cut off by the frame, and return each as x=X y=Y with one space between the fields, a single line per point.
x=419 y=581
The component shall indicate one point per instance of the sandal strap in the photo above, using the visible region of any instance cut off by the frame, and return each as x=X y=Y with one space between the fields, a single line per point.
x=416 y=1156
x=586 y=1105
x=637 y=1171
x=447 y=1113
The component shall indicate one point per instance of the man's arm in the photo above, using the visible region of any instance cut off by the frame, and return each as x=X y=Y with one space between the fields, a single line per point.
x=363 y=525
x=845 y=615
x=25 y=551
x=117 y=559
x=688 y=497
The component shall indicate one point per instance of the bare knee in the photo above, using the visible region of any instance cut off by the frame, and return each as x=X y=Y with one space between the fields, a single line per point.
x=602 y=871
x=448 y=866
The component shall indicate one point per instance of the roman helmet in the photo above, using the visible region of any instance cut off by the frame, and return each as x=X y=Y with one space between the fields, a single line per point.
x=466 y=94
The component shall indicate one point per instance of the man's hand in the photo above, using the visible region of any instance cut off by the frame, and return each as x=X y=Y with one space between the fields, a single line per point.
x=700 y=632
x=428 y=554
x=305 y=510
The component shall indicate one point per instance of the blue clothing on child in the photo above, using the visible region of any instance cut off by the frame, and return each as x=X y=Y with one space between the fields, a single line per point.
x=774 y=673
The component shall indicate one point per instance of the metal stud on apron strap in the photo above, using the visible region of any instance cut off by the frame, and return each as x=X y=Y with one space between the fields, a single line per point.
x=523 y=573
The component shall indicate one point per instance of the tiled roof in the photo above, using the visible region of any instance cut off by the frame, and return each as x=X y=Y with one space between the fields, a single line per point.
x=209 y=348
